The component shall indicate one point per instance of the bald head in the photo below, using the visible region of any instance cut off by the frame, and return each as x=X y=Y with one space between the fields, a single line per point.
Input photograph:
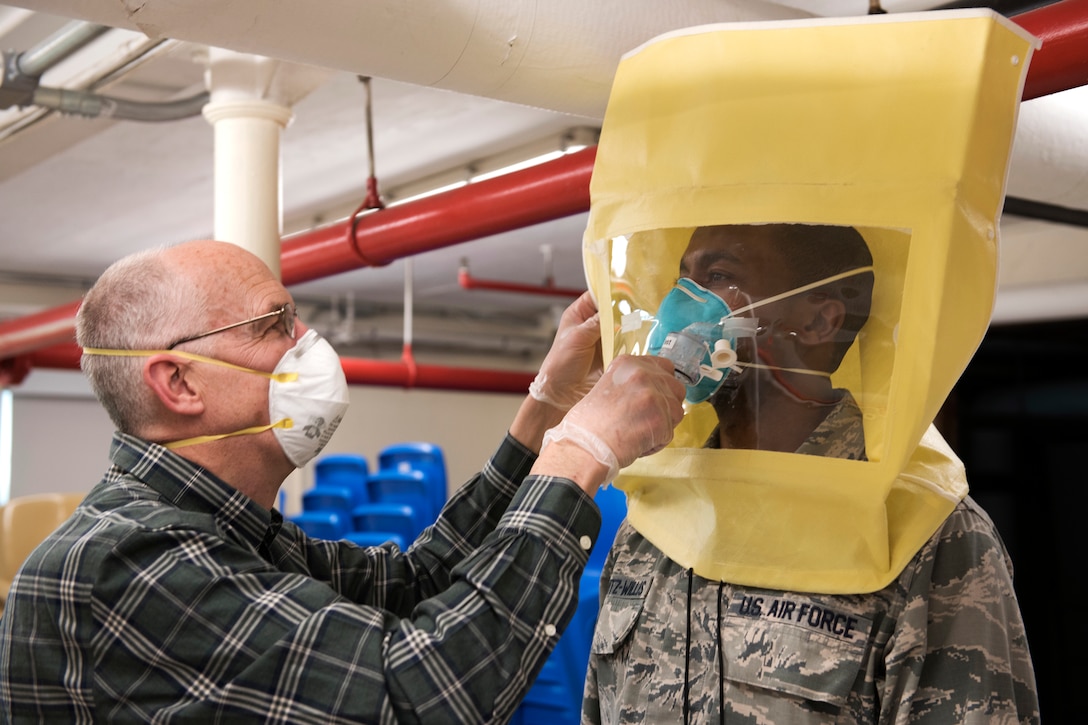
x=219 y=269
x=150 y=299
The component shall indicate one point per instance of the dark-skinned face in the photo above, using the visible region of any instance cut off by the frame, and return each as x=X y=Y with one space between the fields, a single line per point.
x=742 y=265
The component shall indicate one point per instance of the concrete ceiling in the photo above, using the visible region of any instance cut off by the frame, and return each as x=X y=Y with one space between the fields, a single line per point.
x=77 y=193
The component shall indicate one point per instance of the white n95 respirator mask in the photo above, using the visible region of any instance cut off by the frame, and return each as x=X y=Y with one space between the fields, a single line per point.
x=314 y=401
x=307 y=396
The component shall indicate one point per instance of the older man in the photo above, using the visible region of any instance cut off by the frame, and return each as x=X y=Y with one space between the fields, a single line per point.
x=176 y=592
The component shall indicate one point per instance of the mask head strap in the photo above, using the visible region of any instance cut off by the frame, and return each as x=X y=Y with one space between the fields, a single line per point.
x=284 y=423
x=278 y=377
x=802 y=289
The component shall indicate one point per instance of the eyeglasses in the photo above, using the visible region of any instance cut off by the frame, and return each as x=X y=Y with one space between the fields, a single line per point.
x=287 y=315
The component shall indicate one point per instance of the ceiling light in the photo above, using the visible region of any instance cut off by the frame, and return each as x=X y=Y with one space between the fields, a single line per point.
x=430 y=192
x=534 y=161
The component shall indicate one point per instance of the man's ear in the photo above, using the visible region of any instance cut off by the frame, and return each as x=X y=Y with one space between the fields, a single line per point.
x=171 y=381
x=825 y=317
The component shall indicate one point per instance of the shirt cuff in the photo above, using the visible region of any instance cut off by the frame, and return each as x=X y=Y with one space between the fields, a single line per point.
x=512 y=460
x=557 y=510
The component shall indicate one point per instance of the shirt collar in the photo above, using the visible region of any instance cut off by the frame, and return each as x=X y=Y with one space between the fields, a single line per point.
x=193 y=488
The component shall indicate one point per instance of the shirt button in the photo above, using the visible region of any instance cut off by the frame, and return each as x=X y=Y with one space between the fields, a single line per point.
x=586 y=543
x=549 y=629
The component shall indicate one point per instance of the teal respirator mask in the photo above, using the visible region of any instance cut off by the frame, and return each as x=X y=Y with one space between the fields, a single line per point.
x=698 y=332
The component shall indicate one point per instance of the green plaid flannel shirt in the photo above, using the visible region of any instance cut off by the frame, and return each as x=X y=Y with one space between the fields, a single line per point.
x=171 y=597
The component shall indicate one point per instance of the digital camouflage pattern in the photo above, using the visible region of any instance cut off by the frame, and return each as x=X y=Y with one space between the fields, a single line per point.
x=944 y=643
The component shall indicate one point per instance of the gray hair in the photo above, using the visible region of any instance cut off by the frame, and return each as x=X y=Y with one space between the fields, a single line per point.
x=139 y=303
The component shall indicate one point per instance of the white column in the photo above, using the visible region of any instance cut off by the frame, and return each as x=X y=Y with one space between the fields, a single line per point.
x=248 y=120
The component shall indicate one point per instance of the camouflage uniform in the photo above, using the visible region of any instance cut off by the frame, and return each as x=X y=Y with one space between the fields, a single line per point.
x=944 y=643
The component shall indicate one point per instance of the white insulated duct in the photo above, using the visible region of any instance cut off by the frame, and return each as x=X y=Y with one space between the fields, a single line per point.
x=559 y=55
x=1051 y=148
x=562 y=55
x=1043 y=267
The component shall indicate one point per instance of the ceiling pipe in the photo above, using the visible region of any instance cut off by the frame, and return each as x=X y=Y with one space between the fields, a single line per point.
x=358 y=371
x=54 y=326
x=467 y=281
x=1062 y=62
x=21 y=72
x=58 y=46
x=560 y=54
x=407 y=373
x=542 y=193
x=123 y=63
x=434 y=377
x=59 y=357
x=93 y=105
x=549 y=191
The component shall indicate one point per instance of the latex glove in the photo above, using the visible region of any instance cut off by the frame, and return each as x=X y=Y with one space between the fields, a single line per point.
x=574 y=362
x=631 y=412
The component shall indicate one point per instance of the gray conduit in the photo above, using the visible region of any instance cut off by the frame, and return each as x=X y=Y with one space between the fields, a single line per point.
x=22 y=72
x=57 y=47
x=19 y=85
x=92 y=105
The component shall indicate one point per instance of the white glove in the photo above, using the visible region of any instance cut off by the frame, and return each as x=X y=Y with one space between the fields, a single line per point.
x=630 y=412
x=573 y=364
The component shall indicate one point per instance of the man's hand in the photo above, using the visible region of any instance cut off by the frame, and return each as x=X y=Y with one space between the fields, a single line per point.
x=629 y=413
x=573 y=364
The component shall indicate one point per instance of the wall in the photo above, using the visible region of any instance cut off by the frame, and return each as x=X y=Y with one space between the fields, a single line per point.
x=467 y=426
x=1019 y=421
x=61 y=434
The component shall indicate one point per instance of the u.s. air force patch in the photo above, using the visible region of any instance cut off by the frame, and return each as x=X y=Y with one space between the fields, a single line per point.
x=802 y=612
x=793 y=643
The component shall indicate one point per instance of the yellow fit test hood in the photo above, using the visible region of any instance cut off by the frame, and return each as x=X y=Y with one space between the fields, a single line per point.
x=898 y=125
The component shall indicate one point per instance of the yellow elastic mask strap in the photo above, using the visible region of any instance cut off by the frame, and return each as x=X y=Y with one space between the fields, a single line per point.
x=278 y=377
x=790 y=293
x=802 y=371
x=283 y=423
x=800 y=290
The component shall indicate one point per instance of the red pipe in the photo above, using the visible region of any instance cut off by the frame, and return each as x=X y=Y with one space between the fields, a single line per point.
x=531 y=196
x=519 y=199
x=62 y=357
x=467 y=281
x=406 y=374
x=49 y=327
x=514 y=201
x=1062 y=61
